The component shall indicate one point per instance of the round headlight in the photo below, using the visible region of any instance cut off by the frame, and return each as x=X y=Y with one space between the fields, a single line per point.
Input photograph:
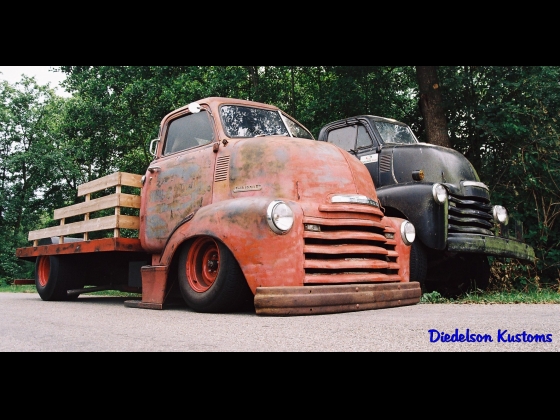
x=279 y=216
x=408 y=232
x=440 y=193
x=500 y=215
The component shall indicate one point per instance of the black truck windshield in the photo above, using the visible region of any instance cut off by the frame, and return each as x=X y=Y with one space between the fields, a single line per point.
x=395 y=133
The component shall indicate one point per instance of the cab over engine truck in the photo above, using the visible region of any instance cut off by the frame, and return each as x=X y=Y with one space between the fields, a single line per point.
x=240 y=209
x=439 y=191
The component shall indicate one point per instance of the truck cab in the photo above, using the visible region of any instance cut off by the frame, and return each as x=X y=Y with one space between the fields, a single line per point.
x=439 y=191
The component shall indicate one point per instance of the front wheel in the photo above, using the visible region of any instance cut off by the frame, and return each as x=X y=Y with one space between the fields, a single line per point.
x=418 y=262
x=53 y=278
x=465 y=273
x=210 y=278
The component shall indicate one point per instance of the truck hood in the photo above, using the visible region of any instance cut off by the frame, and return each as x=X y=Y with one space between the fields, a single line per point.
x=294 y=169
x=439 y=164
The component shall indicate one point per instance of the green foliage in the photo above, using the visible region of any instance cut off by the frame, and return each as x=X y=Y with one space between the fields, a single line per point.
x=504 y=119
x=433 y=297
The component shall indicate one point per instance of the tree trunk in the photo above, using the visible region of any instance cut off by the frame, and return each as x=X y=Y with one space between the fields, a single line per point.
x=431 y=106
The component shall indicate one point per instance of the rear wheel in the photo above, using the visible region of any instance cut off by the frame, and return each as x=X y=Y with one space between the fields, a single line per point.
x=210 y=278
x=53 y=278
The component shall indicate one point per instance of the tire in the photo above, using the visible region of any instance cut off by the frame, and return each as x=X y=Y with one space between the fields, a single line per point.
x=418 y=262
x=479 y=270
x=53 y=278
x=464 y=273
x=210 y=278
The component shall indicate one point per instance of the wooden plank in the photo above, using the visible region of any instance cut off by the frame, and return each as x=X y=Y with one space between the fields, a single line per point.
x=131 y=180
x=99 y=184
x=107 y=202
x=94 y=245
x=108 y=181
x=92 y=225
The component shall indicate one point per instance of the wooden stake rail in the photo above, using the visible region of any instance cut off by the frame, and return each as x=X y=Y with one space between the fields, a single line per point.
x=116 y=200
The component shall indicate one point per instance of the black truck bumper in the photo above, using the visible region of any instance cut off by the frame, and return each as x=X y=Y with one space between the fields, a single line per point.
x=490 y=245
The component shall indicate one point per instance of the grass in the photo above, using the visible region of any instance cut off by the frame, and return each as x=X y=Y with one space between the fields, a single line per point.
x=550 y=296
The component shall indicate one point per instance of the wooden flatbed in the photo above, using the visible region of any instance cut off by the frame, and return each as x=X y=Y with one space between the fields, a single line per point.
x=58 y=237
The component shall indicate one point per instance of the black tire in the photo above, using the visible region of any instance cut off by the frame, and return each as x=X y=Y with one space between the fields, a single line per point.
x=210 y=278
x=54 y=277
x=462 y=274
x=479 y=271
x=418 y=262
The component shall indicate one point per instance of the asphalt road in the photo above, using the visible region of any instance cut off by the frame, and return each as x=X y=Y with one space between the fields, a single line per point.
x=104 y=324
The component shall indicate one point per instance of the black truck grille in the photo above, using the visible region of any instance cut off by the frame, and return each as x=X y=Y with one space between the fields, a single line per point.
x=348 y=248
x=469 y=215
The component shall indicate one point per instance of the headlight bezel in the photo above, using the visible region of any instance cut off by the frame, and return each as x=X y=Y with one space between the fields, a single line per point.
x=440 y=194
x=280 y=217
x=500 y=215
x=408 y=232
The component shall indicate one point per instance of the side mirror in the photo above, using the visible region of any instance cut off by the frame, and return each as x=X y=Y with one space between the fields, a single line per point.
x=153 y=146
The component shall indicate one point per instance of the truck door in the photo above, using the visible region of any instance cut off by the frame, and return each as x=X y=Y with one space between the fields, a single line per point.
x=179 y=181
x=356 y=140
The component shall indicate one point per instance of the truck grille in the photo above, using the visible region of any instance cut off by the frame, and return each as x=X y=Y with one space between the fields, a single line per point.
x=349 y=247
x=469 y=215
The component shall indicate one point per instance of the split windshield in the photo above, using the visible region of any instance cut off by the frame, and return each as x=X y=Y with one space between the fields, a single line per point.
x=244 y=121
x=395 y=133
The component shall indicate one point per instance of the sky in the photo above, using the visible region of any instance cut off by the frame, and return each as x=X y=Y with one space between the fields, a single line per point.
x=43 y=75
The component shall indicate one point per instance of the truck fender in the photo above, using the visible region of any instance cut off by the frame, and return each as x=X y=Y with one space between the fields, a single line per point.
x=415 y=202
x=402 y=249
x=266 y=258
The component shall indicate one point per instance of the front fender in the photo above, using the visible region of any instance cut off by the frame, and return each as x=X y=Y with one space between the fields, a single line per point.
x=266 y=258
x=416 y=203
x=402 y=249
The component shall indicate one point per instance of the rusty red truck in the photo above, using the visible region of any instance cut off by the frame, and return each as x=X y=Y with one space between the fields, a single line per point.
x=239 y=209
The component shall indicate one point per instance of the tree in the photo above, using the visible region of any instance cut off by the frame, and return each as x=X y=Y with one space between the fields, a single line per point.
x=431 y=106
x=30 y=165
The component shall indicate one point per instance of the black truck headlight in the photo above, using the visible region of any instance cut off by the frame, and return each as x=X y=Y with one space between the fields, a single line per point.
x=500 y=215
x=440 y=193
x=408 y=232
x=279 y=216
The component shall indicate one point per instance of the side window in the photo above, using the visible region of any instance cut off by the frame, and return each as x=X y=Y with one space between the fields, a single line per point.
x=364 y=140
x=188 y=131
x=344 y=138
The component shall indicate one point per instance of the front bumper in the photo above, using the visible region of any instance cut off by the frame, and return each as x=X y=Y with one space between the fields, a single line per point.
x=489 y=245
x=313 y=300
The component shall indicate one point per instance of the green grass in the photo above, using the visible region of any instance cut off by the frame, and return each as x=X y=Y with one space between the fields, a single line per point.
x=493 y=297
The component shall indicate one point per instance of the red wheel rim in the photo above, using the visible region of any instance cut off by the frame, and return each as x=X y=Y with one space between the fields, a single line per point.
x=43 y=270
x=203 y=264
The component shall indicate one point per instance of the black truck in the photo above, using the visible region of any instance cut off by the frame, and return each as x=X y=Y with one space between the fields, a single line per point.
x=440 y=192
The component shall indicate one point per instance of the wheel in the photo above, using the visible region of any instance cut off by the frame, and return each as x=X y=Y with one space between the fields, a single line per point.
x=461 y=274
x=418 y=262
x=210 y=278
x=479 y=272
x=53 y=278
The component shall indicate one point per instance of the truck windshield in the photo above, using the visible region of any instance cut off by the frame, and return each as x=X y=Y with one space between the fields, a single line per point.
x=395 y=133
x=244 y=121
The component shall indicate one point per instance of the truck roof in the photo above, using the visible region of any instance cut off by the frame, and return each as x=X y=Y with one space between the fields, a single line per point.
x=214 y=101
